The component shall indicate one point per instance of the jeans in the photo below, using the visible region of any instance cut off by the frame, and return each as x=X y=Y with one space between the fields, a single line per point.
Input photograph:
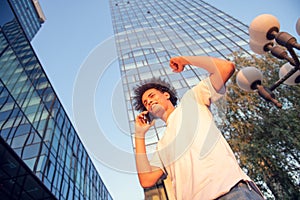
x=242 y=191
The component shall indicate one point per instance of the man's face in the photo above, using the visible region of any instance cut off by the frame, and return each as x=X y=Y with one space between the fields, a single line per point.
x=156 y=101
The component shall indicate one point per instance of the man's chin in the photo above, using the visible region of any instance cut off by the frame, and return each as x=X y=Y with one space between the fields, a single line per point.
x=157 y=110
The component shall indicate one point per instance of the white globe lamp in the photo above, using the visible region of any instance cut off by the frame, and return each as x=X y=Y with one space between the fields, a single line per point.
x=248 y=77
x=262 y=26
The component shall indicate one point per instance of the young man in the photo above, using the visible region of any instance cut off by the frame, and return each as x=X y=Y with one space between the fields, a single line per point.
x=193 y=152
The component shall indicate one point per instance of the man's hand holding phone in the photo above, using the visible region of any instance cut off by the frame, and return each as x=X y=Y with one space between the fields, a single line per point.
x=142 y=123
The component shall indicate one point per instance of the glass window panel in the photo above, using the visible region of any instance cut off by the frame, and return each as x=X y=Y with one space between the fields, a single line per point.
x=31 y=150
x=7 y=106
x=19 y=141
x=30 y=162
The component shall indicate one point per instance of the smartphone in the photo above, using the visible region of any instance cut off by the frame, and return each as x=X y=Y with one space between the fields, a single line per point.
x=149 y=117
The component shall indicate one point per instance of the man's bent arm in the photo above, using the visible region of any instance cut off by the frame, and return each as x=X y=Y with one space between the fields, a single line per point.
x=148 y=175
x=220 y=70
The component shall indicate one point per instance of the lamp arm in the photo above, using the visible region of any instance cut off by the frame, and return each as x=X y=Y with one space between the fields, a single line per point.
x=295 y=57
x=287 y=40
x=280 y=53
x=267 y=94
x=295 y=63
x=284 y=78
x=294 y=60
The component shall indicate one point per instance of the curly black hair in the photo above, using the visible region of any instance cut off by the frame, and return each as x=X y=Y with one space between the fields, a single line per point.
x=156 y=83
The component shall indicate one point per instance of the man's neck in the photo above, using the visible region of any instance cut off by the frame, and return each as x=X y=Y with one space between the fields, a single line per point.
x=167 y=114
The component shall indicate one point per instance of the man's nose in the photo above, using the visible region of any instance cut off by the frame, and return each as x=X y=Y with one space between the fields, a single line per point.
x=149 y=102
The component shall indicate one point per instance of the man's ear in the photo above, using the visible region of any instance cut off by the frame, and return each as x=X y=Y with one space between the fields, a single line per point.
x=166 y=94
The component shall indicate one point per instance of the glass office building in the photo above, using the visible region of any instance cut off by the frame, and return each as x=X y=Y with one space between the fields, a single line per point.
x=42 y=156
x=149 y=32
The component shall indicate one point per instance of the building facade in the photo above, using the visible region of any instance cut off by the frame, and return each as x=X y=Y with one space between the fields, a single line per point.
x=42 y=156
x=149 y=32
x=30 y=15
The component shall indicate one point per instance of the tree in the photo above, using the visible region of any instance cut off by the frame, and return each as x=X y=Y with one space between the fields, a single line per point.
x=265 y=138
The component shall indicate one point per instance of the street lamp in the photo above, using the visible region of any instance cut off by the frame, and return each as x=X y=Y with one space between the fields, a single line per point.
x=265 y=36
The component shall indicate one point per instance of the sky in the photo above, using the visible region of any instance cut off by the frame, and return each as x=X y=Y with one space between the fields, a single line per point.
x=71 y=36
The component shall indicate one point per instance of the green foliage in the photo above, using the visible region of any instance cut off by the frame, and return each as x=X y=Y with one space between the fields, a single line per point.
x=265 y=138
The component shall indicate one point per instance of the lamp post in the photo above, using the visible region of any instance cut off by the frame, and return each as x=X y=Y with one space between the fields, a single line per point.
x=265 y=36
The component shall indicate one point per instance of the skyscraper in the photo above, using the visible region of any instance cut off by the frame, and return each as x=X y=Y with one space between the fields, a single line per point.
x=30 y=15
x=149 y=32
x=42 y=156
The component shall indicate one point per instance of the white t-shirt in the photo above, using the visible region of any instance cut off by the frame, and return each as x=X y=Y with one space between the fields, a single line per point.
x=197 y=157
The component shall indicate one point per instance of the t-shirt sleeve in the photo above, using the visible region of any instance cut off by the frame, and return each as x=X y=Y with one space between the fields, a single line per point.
x=205 y=93
x=155 y=160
